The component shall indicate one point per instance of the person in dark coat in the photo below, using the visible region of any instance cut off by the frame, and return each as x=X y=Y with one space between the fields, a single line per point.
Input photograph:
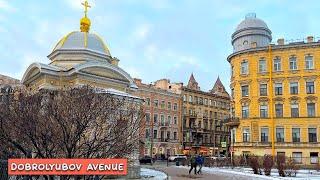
x=193 y=164
x=200 y=161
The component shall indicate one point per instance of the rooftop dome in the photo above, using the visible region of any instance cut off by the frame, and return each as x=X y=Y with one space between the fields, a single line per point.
x=251 y=21
x=82 y=40
x=252 y=32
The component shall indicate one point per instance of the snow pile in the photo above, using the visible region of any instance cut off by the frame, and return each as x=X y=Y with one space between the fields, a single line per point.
x=152 y=174
x=301 y=174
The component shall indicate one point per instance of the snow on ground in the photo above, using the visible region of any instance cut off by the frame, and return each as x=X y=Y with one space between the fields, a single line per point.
x=152 y=174
x=301 y=174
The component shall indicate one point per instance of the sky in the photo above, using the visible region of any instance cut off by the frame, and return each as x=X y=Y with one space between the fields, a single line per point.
x=153 y=39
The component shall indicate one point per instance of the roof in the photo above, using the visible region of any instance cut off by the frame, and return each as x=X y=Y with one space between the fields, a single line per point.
x=83 y=40
x=251 y=21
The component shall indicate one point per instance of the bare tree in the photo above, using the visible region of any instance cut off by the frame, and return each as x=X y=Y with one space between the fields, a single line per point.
x=74 y=123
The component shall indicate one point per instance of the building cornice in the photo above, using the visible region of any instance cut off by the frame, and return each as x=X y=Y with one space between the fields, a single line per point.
x=274 y=47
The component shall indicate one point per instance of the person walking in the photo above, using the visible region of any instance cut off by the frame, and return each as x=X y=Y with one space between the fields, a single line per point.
x=193 y=164
x=200 y=162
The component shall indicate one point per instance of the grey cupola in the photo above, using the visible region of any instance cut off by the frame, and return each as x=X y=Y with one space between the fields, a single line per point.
x=251 y=33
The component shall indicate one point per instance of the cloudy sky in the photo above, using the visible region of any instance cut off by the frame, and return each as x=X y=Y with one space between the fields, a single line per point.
x=153 y=39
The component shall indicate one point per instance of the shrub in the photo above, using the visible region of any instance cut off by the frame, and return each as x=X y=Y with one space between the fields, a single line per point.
x=267 y=164
x=254 y=164
x=281 y=165
x=291 y=168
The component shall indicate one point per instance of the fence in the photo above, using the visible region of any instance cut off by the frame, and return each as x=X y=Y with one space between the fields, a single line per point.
x=243 y=161
x=4 y=169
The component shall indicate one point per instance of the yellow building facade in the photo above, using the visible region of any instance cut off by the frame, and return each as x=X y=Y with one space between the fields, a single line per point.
x=275 y=98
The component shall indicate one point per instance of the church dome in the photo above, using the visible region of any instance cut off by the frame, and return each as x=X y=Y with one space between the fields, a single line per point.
x=83 y=41
x=252 y=32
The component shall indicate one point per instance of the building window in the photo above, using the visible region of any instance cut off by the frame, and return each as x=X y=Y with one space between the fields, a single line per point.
x=263 y=90
x=156 y=103
x=163 y=104
x=277 y=64
x=245 y=111
x=279 y=110
x=175 y=106
x=147 y=133
x=310 y=87
x=311 y=109
x=312 y=134
x=169 y=120
x=262 y=65
x=293 y=63
x=147 y=117
x=175 y=121
x=210 y=102
x=205 y=101
x=280 y=134
x=278 y=88
x=175 y=135
x=169 y=105
x=244 y=67
x=245 y=90
x=190 y=99
x=155 y=118
x=200 y=100
x=295 y=134
x=294 y=110
x=309 y=62
x=195 y=99
x=231 y=71
x=162 y=120
x=246 y=135
x=264 y=134
x=297 y=157
x=263 y=111
x=148 y=101
x=184 y=98
x=155 y=134
x=314 y=157
x=294 y=88
x=168 y=134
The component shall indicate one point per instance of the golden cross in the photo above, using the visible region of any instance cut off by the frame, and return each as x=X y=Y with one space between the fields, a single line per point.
x=86 y=6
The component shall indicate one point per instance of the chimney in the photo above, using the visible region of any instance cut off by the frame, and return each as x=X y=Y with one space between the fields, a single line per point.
x=280 y=41
x=309 y=39
x=137 y=81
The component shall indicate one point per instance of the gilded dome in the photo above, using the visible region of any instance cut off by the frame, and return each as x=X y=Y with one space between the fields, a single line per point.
x=82 y=40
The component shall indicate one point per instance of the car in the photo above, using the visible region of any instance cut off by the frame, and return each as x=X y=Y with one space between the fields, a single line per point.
x=145 y=160
x=218 y=157
x=177 y=157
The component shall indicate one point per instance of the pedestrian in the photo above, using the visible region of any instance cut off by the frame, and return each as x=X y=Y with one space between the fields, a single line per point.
x=200 y=162
x=193 y=164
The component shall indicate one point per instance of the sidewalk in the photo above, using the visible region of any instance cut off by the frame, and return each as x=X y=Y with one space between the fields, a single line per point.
x=180 y=173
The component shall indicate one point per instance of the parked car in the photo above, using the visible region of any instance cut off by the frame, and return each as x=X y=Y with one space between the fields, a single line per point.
x=178 y=157
x=218 y=157
x=145 y=160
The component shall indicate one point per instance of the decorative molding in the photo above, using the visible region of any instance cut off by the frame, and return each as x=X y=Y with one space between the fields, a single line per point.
x=311 y=99
x=245 y=82
x=263 y=99
x=279 y=99
x=245 y=100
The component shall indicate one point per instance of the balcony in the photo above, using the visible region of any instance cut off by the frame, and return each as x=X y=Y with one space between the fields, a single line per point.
x=233 y=121
x=164 y=125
